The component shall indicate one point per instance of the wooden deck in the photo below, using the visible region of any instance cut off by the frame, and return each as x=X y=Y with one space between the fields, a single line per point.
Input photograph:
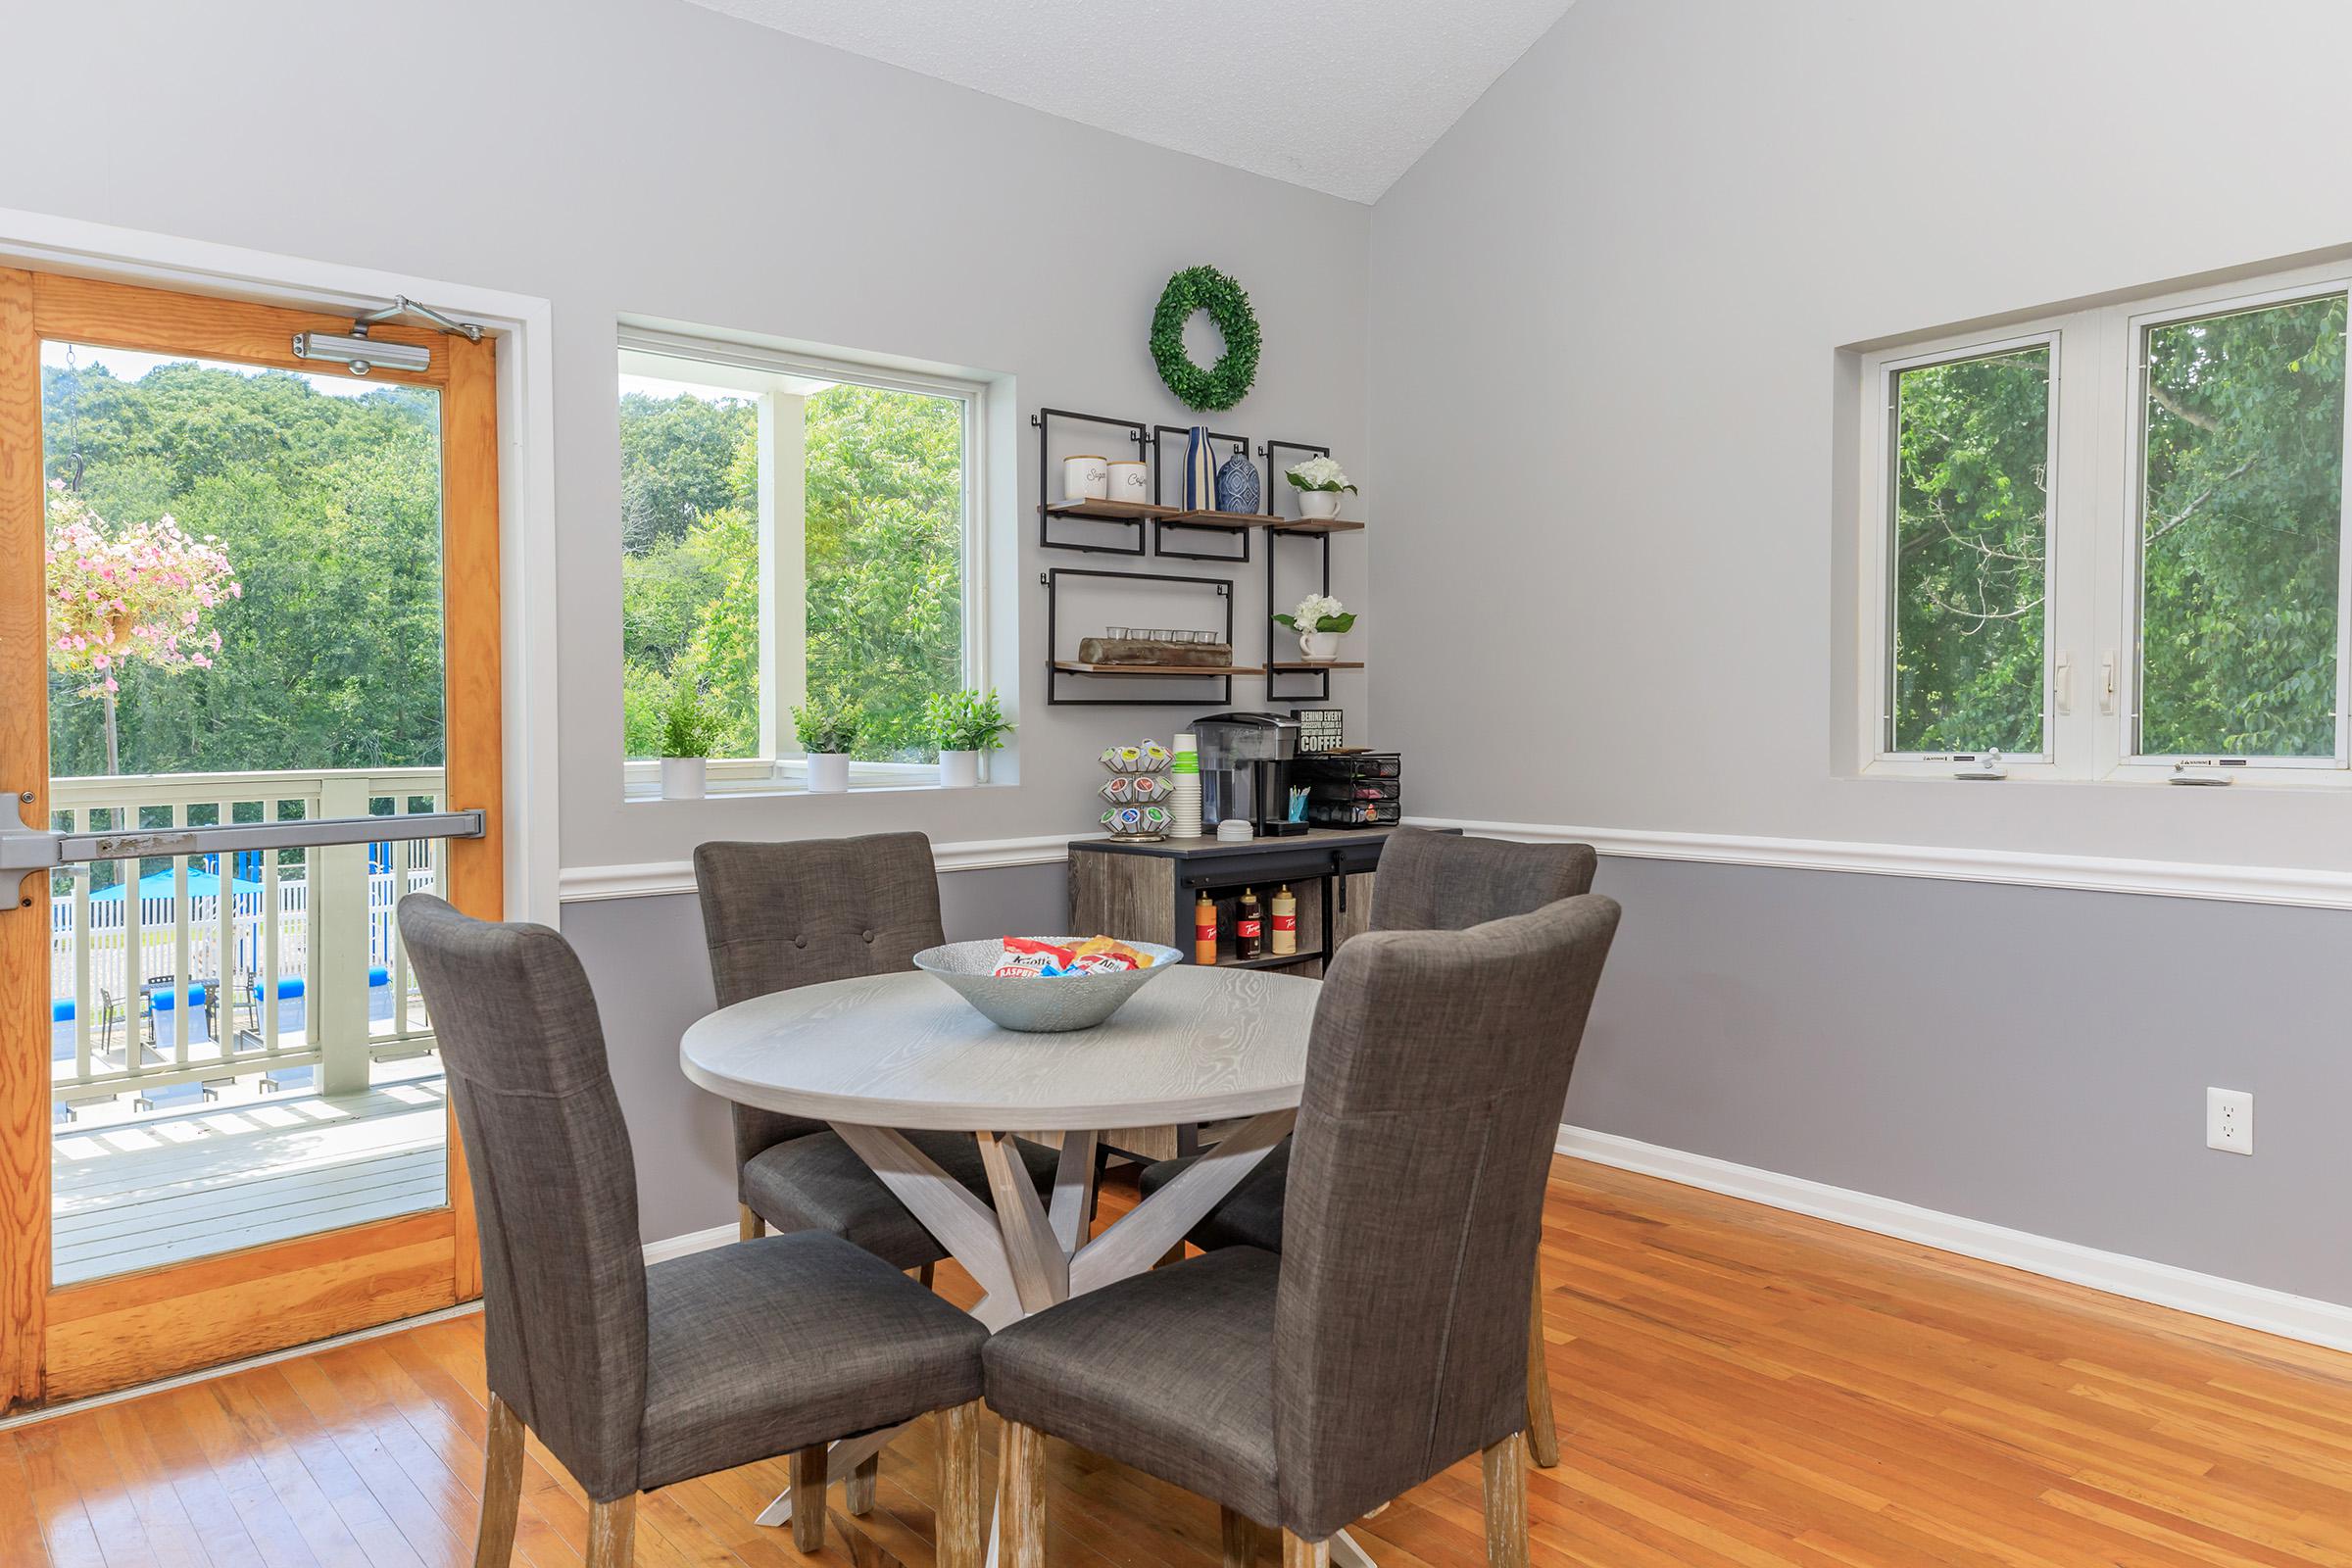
x=255 y=1167
x=1738 y=1387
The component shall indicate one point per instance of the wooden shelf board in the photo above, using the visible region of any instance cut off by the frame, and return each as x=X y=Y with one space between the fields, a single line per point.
x=1110 y=510
x=1316 y=526
x=1307 y=666
x=1070 y=667
x=1230 y=521
x=1269 y=961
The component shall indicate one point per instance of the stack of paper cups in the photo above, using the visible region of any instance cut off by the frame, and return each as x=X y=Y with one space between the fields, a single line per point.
x=1184 y=800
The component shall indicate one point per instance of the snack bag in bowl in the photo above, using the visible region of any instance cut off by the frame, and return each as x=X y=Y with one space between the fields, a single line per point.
x=1026 y=956
x=1104 y=955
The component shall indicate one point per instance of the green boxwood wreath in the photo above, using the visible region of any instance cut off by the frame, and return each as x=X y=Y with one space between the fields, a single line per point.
x=1205 y=288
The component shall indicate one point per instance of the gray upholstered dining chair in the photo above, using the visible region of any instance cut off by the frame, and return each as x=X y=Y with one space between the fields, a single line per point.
x=637 y=1378
x=1427 y=882
x=794 y=914
x=1305 y=1389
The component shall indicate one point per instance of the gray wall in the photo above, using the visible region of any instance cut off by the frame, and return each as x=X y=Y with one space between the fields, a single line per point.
x=1606 y=311
x=646 y=958
x=2030 y=1058
x=659 y=160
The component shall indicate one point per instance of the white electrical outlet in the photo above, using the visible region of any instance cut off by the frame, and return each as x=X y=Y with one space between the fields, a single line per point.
x=2229 y=1120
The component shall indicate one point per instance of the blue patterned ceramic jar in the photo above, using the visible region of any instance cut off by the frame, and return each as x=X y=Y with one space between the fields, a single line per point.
x=1236 y=483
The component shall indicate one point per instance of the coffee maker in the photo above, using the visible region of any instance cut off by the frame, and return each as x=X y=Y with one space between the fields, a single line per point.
x=1246 y=771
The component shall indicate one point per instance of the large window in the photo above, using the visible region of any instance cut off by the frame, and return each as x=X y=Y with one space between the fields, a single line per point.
x=2159 y=595
x=795 y=533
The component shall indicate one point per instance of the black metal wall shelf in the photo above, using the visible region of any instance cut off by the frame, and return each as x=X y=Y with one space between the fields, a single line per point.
x=1056 y=667
x=1320 y=530
x=1233 y=524
x=1133 y=516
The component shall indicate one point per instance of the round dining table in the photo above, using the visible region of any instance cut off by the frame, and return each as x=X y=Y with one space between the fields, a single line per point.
x=882 y=1055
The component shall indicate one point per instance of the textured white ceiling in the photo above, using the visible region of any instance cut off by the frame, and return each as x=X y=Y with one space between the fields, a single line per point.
x=1336 y=95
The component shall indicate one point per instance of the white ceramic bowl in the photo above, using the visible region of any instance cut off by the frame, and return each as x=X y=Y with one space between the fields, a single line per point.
x=1035 y=1005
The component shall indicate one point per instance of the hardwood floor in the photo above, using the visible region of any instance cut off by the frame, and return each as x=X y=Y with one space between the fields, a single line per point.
x=1736 y=1387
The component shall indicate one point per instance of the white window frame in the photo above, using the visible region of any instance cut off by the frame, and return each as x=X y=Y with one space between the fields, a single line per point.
x=785 y=769
x=2092 y=609
x=2131 y=760
x=1880 y=374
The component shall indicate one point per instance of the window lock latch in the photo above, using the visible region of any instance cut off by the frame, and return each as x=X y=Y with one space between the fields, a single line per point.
x=1984 y=766
x=2207 y=771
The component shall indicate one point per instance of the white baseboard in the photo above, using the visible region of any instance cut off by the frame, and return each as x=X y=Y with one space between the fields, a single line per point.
x=669 y=1247
x=2253 y=1307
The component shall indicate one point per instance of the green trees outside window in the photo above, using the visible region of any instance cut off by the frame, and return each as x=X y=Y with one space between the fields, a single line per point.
x=1972 y=502
x=2242 y=532
x=884 y=531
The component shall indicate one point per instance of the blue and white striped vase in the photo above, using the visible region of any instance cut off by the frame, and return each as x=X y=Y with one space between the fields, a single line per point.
x=1199 y=471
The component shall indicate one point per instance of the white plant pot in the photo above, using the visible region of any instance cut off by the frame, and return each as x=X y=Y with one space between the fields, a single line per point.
x=1319 y=646
x=959 y=770
x=828 y=772
x=1320 y=504
x=684 y=778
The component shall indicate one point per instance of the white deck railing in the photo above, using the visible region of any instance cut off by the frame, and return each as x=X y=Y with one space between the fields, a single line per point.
x=313 y=953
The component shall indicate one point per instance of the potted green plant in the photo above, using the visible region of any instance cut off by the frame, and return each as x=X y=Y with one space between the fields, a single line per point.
x=689 y=731
x=1320 y=484
x=1319 y=621
x=963 y=724
x=826 y=731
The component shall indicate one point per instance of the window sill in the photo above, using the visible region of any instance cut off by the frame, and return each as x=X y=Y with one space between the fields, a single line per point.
x=641 y=782
x=2133 y=776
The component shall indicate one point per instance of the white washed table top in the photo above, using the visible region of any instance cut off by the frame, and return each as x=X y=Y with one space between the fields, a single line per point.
x=903 y=1051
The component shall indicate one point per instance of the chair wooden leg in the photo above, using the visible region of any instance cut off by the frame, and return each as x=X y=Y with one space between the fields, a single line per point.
x=857 y=1492
x=613 y=1532
x=1505 y=1468
x=962 y=1508
x=502 y=1488
x=1021 y=1497
x=809 y=1497
x=1542 y=1437
x=1298 y=1553
x=749 y=1227
x=1239 y=1534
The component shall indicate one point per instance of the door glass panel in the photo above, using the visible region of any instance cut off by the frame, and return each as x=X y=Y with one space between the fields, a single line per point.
x=245 y=625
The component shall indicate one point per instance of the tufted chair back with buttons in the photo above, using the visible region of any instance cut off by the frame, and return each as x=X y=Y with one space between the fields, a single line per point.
x=781 y=916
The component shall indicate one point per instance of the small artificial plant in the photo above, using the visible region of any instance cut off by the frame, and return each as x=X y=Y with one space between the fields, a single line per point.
x=689 y=723
x=826 y=728
x=1320 y=612
x=1318 y=474
x=965 y=721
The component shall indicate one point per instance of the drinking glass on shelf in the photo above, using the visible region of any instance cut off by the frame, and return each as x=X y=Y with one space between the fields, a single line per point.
x=1118 y=633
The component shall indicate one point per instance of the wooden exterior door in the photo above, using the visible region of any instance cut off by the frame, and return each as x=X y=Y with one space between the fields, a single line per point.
x=65 y=1342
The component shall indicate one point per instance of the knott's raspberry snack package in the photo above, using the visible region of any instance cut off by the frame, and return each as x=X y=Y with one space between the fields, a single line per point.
x=1025 y=955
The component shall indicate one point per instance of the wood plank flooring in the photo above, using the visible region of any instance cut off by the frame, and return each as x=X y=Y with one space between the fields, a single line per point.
x=1736 y=1387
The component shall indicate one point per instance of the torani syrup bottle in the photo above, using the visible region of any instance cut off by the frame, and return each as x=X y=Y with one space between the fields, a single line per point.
x=1249 y=931
x=1204 y=931
x=1286 y=921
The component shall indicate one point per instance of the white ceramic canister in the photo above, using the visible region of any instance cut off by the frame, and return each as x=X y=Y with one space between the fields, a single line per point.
x=1130 y=481
x=1085 y=477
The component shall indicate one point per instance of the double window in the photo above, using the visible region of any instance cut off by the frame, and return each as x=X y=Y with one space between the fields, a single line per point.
x=796 y=532
x=2111 y=544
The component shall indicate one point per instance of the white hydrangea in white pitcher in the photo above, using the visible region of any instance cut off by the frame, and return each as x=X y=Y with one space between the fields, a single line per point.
x=1319 y=621
x=1320 y=482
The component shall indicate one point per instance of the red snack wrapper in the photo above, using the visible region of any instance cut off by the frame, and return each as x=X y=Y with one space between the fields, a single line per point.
x=1025 y=955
